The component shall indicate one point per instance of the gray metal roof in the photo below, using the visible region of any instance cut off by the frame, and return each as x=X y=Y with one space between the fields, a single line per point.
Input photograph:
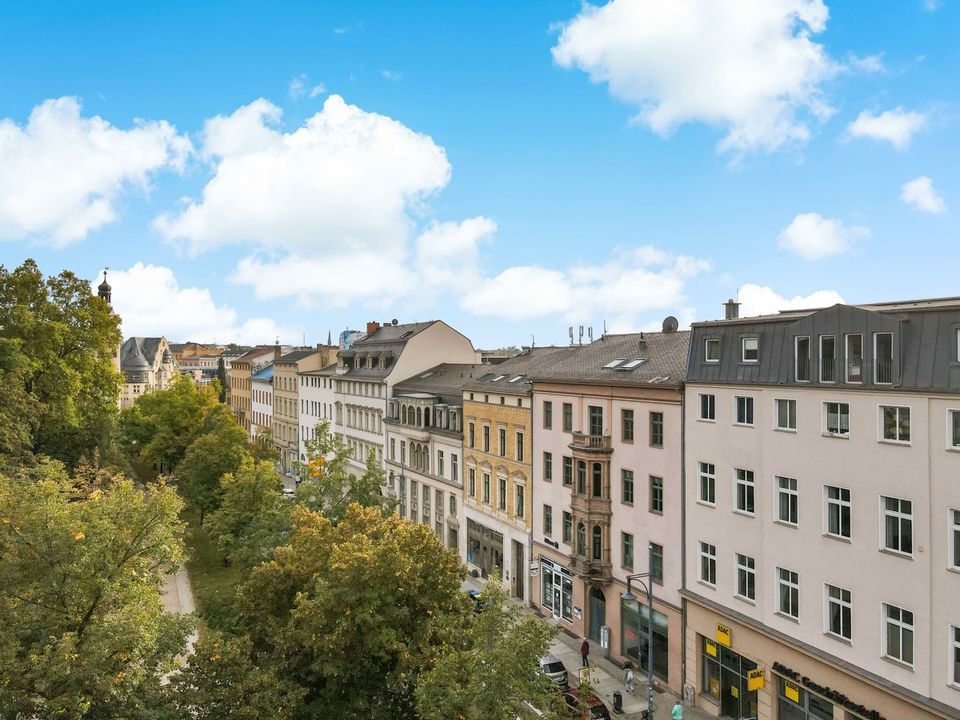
x=138 y=354
x=445 y=381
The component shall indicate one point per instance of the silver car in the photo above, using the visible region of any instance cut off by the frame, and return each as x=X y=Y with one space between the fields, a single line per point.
x=554 y=669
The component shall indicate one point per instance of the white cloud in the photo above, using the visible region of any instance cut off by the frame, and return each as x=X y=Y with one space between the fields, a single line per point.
x=750 y=68
x=867 y=64
x=62 y=174
x=812 y=236
x=897 y=126
x=932 y=5
x=633 y=282
x=447 y=253
x=761 y=300
x=300 y=87
x=920 y=193
x=391 y=75
x=151 y=302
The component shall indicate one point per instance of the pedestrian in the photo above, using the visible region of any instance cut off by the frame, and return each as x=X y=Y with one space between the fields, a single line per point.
x=628 y=679
x=585 y=652
x=677 y=713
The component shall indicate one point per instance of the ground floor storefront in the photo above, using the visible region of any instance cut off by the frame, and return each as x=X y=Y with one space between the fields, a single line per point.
x=734 y=670
x=615 y=627
x=496 y=546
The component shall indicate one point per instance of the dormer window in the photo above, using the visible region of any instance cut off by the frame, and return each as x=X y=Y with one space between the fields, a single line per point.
x=883 y=358
x=828 y=355
x=711 y=350
x=356 y=362
x=750 y=349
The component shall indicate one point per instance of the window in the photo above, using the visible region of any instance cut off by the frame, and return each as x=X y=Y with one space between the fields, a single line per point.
x=895 y=423
x=839 y=612
x=898 y=628
x=746 y=577
x=519 y=506
x=785 y=414
x=708 y=406
x=581 y=477
x=854 y=359
x=596 y=473
x=547 y=415
x=440 y=469
x=519 y=446
x=787 y=499
x=596 y=542
x=548 y=467
x=656 y=494
x=454 y=470
x=626 y=478
x=581 y=540
x=471 y=432
x=828 y=352
x=486 y=438
x=836 y=419
x=744 y=410
x=954 y=549
x=472 y=474
x=403 y=452
x=788 y=593
x=708 y=563
x=568 y=471
x=502 y=493
x=953 y=429
x=954 y=662
x=656 y=563
x=744 y=490
x=750 y=349
x=502 y=442
x=627 y=543
x=626 y=425
x=393 y=449
x=708 y=483
x=567 y=417
x=595 y=414
x=838 y=511
x=547 y=520
x=711 y=350
x=486 y=488
x=656 y=429
x=897 y=515
x=567 y=526
x=801 y=359
x=883 y=358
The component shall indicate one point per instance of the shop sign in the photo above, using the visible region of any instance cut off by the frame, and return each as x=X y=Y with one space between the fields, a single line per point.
x=534 y=569
x=827 y=692
x=792 y=691
x=578 y=613
x=723 y=635
x=711 y=648
x=755 y=679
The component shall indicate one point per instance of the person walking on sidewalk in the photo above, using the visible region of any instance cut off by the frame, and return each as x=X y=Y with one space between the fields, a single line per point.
x=628 y=679
x=677 y=713
x=585 y=653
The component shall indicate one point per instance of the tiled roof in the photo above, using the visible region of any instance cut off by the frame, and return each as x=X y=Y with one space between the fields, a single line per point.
x=514 y=375
x=295 y=356
x=392 y=334
x=446 y=381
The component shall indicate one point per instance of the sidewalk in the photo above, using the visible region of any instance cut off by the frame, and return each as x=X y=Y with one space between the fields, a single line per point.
x=606 y=677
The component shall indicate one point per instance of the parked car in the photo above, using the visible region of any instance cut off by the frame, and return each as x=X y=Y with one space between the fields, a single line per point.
x=554 y=669
x=289 y=493
x=596 y=707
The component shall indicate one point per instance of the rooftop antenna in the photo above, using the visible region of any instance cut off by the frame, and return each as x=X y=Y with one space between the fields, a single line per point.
x=571 y=334
x=590 y=333
x=604 y=329
x=533 y=341
x=581 y=334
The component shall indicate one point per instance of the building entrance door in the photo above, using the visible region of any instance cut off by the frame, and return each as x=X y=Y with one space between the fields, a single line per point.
x=519 y=570
x=598 y=612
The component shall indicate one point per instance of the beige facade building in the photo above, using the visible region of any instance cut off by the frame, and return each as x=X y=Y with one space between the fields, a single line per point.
x=286 y=398
x=147 y=366
x=241 y=371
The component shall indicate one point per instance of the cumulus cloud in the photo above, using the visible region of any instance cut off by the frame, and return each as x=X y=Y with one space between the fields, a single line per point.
x=762 y=300
x=151 y=301
x=751 y=68
x=921 y=194
x=634 y=281
x=62 y=174
x=897 y=126
x=812 y=236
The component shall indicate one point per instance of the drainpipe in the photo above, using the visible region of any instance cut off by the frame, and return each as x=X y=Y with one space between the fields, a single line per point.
x=683 y=537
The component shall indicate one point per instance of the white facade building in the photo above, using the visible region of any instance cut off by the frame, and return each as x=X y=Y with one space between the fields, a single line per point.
x=261 y=402
x=317 y=400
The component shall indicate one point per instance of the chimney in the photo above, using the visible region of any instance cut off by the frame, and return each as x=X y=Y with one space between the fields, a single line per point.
x=731 y=310
x=372 y=327
x=276 y=353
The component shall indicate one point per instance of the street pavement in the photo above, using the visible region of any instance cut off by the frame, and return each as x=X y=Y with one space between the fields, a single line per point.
x=177 y=597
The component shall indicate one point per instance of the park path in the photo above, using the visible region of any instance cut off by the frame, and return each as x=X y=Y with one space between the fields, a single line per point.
x=177 y=596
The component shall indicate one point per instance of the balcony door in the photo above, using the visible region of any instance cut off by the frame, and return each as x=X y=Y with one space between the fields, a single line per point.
x=596 y=420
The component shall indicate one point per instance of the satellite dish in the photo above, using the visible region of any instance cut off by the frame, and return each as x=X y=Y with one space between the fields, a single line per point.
x=394 y=322
x=670 y=324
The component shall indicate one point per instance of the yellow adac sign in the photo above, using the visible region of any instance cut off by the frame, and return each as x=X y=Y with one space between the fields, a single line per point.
x=723 y=635
x=711 y=648
x=755 y=680
x=791 y=690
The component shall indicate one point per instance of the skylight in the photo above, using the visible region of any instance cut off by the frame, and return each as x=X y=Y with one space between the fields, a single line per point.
x=515 y=378
x=634 y=363
x=614 y=363
x=498 y=378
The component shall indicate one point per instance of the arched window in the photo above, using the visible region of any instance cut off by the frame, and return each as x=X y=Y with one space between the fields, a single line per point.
x=597 y=480
x=419 y=417
x=581 y=540
x=426 y=417
x=581 y=477
x=597 y=543
x=403 y=414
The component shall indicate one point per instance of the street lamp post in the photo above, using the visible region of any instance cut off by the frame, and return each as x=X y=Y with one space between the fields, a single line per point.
x=645 y=580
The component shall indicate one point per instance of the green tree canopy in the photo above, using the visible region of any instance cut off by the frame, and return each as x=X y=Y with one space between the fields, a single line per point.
x=81 y=564
x=220 y=451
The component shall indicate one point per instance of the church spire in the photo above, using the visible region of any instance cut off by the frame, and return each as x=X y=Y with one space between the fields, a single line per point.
x=103 y=290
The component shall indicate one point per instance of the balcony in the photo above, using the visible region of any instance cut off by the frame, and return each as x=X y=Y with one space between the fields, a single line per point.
x=593 y=508
x=883 y=371
x=591 y=443
x=586 y=567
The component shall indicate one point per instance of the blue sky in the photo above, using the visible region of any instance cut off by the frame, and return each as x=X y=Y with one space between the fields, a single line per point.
x=511 y=168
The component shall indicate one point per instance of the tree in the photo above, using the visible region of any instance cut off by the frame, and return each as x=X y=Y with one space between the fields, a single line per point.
x=63 y=341
x=492 y=672
x=81 y=564
x=222 y=379
x=19 y=410
x=355 y=612
x=209 y=457
x=328 y=487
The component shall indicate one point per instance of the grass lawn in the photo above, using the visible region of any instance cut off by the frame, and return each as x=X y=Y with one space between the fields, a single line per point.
x=214 y=584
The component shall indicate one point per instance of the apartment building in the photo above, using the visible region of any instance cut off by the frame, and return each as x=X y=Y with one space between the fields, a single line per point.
x=286 y=398
x=424 y=440
x=317 y=398
x=241 y=371
x=261 y=402
x=147 y=366
x=822 y=501
x=607 y=494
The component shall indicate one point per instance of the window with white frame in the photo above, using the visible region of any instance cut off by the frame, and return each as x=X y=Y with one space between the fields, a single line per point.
x=836 y=419
x=626 y=484
x=895 y=423
x=746 y=577
x=839 y=615
x=519 y=506
x=828 y=359
x=883 y=358
x=788 y=593
x=708 y=483
x=708 y=406
x=854 y=359
x=787 y=500
x=953 y=429
x=744 y=410
x=837 y=520
x=954 y=549
x=954 y=662
x=897 y=524
x=801 y=359
x=743 y=490
x=785 y=414
x=708 y=563
x=548 y=467
x=750 y=349
x=711 y=350
x=898 y=634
